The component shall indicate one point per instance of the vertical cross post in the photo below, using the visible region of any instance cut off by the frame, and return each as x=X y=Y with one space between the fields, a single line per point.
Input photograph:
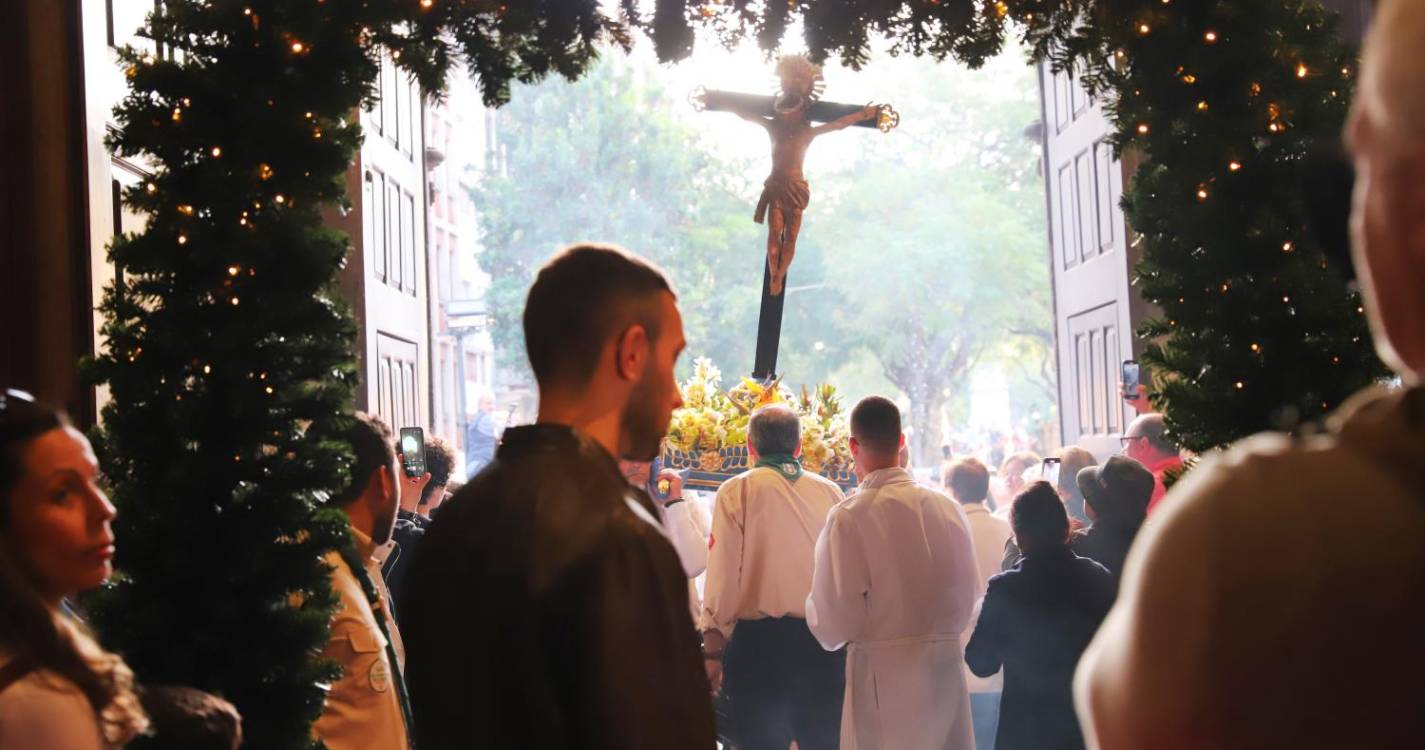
x=769 y=328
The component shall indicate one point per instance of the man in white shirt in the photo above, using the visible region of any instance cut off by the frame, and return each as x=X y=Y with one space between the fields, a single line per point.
x=895 y=578
x=1278 y=598
x=686 y=521
x=781 y=685
x=968 y=481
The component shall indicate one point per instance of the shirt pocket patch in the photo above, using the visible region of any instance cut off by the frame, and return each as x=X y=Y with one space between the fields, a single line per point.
x=370 y=646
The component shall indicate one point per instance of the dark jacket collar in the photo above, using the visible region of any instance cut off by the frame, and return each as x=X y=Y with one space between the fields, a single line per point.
x=552 y=438
x=558 y=442
x=1049 y=558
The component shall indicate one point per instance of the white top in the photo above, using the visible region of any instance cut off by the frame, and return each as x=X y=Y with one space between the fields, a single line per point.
x=990 y=533
x=896 y=580
x=895 y=561
x=1277 y=601
x=764 y=531
x=688 y=524
x=44 y=711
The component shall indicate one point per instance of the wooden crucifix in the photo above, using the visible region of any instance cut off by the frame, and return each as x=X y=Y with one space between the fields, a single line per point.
x=793 y=118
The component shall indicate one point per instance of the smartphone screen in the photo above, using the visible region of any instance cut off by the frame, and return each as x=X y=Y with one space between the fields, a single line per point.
x=1130 y=380
x=1049 y=471
x=413 y=451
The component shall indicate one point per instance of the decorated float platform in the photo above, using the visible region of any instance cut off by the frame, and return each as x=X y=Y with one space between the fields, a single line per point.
x=708 y=435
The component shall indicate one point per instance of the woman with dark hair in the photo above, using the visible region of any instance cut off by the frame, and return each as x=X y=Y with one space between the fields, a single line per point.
x=58 y=689
x=1035 y=622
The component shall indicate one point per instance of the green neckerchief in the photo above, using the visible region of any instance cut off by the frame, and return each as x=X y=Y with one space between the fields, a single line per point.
x=786 y=464
x=353 y=562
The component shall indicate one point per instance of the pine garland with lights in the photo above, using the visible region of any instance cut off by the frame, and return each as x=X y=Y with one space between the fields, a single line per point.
x=229 y=357
x=1225 y=100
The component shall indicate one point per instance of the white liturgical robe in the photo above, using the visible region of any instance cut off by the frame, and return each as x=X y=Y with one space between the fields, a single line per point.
x=895 y=578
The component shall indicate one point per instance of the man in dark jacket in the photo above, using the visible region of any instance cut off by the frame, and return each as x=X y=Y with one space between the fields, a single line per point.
x=545 y=608
x=1035 y=622
x=1116 y=499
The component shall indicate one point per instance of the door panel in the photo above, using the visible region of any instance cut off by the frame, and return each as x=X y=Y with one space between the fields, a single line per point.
x=1090 y=264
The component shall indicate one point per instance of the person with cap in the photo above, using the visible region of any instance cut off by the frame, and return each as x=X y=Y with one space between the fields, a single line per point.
x=1116 y=497
x=1035 y=622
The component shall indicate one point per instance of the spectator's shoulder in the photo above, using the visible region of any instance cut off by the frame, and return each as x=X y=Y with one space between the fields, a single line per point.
x=1003 y=580
x=1091 y=568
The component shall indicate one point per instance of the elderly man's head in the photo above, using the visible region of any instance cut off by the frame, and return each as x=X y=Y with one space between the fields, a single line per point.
x=774 y=430
x=1386 y=135
x=1146 y=440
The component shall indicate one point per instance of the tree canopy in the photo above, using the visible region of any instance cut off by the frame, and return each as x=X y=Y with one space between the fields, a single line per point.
x=922 y=253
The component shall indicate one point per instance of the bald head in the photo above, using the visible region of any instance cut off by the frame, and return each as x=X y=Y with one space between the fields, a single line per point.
x=1393 y=70
x=1386 y=136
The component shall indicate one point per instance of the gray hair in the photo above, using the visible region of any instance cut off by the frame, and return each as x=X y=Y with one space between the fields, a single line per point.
x=774 y=429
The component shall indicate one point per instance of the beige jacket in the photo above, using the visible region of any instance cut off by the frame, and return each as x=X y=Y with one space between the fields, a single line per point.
x=1277 y=600
x=363 y=710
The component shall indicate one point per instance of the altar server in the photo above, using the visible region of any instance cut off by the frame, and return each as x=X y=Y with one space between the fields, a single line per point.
x=895 y=578
x=781 y=685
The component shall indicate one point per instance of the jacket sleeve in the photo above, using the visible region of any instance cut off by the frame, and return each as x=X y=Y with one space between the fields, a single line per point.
x=985 y=652
x=651 y=692
x=688 y=537
x=722 y=587
x=836 y=607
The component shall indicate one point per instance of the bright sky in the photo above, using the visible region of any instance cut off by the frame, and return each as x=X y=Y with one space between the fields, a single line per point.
x=745 y=69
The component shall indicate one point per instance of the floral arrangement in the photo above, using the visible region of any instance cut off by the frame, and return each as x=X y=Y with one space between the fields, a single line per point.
x=710 y=429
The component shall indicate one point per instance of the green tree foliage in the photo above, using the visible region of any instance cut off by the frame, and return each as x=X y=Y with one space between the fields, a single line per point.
x=1225 y=100
x=604 y=160
x=922 y=251
x=939 y=239
x=228 y=356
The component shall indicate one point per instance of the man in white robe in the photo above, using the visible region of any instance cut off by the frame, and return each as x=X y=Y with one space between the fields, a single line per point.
x=895 y=578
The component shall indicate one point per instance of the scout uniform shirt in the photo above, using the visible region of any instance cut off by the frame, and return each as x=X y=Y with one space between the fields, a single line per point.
x=363 y=707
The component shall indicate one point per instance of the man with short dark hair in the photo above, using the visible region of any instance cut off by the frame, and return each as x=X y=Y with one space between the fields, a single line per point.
x=895 y=582
x=367 y=706
x=968 y=481
x=545 y=607
x=1146 y=441
x=781 y=685
x=1035 y=622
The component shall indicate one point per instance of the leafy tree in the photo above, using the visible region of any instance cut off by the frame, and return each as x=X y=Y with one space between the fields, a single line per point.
x=922 y=252
x=604 y=159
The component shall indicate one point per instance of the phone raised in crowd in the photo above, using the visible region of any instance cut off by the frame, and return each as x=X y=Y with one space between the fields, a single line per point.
x=1130 y=380
x=413 y=451
x=1049 y=470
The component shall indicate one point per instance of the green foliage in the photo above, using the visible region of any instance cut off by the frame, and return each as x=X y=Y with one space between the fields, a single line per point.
x=890 y=270
x=228 y=355
x=604 y=159
x=1224 y=100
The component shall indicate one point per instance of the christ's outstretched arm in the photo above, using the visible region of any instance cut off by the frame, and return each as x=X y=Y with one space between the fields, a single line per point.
x=871 y=111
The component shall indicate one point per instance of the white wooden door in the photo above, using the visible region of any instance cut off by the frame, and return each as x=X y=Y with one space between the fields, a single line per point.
x=1090 y=259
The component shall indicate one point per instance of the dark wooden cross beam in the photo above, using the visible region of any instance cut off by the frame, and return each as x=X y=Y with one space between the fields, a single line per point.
x=769 y=321
x=819 y=111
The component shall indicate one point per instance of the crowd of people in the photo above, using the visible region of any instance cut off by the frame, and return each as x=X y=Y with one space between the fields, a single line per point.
x=1274 y=599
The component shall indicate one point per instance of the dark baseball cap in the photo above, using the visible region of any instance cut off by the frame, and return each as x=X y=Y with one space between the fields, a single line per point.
x=1121 y=486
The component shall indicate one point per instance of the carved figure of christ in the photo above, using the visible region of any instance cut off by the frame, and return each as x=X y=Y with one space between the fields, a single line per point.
x=785 y=194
